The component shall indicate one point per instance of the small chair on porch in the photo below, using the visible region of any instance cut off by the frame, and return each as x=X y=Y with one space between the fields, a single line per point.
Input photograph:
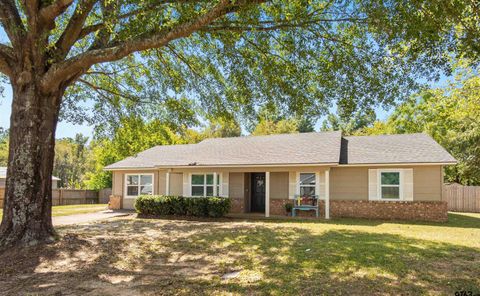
x=305 y=203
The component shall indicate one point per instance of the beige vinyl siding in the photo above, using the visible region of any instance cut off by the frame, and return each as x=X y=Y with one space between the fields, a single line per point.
x=427 y=183
x=351 y=183
x=236 y=185
x=279 y=185
x=161 y=182
x=176 y=184
x=2 y=183
x=117 y=183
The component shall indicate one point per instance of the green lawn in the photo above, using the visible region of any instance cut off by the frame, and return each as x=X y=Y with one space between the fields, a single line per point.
x=273 y=257
x=73 y=209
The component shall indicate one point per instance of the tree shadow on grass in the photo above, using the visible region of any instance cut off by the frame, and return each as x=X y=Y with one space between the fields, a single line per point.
x=189 y=257
x=343 y=261
x=461 y=220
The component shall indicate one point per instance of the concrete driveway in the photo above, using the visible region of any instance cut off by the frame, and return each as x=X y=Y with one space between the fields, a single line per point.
x=89 y=217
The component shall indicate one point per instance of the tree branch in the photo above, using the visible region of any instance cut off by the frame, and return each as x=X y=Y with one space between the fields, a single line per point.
x=82 y=62
x=99 y=89
x=93 y=28
x=74 y=27
x=48 y=14
x=31 y=9
x=74 y=31
x=12 y=22
x=7 y=60
x=89 y=29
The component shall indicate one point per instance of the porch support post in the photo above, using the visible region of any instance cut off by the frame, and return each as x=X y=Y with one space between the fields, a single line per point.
x=215 y=193
x=327 y=194
x=267 y=194
x=167 y=183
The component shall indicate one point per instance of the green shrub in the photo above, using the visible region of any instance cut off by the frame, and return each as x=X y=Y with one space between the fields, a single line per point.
x=196 y=206
x=218 y=206
x=160 y=205
x=288 y=207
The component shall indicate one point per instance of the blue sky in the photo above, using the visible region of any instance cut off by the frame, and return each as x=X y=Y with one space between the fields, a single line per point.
x=64 y=129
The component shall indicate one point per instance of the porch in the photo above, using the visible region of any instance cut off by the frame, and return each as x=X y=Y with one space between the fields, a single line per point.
x=256 y=191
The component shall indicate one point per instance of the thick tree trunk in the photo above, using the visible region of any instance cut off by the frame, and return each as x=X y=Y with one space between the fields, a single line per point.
x=28 y=196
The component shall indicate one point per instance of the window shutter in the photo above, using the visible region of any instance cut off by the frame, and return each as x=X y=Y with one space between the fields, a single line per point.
x=372 y=185
x=224 y=184
x=186 y=185
x=292 y=184
x=407 y=186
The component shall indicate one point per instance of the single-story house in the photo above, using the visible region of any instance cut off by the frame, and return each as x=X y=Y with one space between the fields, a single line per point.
x=385 y=177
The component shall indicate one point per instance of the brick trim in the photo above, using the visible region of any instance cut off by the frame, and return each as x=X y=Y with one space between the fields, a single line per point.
x=435 y=211
x=237 y=205
x=277 y=206
x=115 y=202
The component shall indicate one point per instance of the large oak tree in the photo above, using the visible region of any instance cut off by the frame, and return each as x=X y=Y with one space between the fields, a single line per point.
x=229 y=55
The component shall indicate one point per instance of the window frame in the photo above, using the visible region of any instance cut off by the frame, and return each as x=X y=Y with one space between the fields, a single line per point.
x=205 y=185
x=125 y=187
x=399 y=186
x=314 y=186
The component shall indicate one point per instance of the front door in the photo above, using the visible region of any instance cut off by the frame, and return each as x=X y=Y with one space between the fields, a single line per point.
x=258 y=192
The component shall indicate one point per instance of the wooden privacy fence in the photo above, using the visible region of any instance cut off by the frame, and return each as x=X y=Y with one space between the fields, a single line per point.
x=62 y=197
x=462 y=198
x=73 y=197
x=104 y=195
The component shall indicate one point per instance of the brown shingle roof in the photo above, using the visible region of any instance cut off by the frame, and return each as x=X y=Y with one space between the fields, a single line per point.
x=296 y=149
x=391 y=149
x=304 y=148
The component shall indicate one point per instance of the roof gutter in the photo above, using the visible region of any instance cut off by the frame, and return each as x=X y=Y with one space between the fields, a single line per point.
x=225 y=166
x=278 y=165
x=396 y=164
x=130 y=169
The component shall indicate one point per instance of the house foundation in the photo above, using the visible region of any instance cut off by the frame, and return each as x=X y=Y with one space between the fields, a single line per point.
x=435 y=211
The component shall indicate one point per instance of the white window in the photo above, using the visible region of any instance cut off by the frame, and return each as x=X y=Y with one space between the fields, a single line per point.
x=389 y=182
x=307 y=184
x=203 y=184
x=138 y=184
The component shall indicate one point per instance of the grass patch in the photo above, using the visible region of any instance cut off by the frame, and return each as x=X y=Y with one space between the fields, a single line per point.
x=73 y=209
x=273 y=257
